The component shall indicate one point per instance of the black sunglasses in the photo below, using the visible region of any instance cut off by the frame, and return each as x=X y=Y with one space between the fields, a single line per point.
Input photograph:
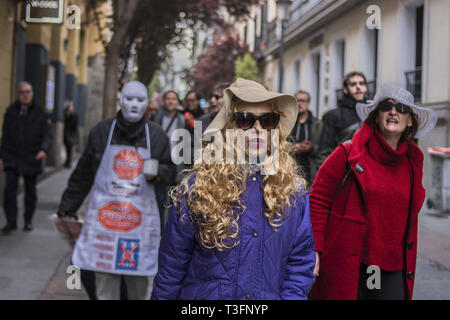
x=387 y=106
x=215 y=96
x=246 y=120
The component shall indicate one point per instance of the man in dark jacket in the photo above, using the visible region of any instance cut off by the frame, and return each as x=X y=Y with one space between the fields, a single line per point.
x=170 y=119
x=26 y=141
x=306 y=136
x=122 y=213
x=192 y=113
x=341 y=123
x=70 y=132
x=193 y=107
x=82 y=178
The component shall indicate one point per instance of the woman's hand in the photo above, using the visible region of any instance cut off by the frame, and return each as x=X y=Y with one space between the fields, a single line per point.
x=41 y=155
x=317 y=266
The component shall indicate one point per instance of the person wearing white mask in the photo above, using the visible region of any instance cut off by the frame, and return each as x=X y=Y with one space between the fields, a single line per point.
x=120 y=236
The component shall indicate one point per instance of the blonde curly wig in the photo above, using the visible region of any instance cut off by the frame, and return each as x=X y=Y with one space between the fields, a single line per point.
x=215 y=198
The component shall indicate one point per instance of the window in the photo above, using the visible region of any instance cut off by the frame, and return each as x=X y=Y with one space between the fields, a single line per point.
x=296 y=76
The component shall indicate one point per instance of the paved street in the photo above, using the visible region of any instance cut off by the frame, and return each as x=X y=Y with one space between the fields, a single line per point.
x=33 y=265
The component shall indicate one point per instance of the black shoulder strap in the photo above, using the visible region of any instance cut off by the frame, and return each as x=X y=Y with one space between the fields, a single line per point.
x=348 y=169
x=171 y=122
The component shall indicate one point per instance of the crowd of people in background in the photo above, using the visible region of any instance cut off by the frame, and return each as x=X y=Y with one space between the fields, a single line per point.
x=345 y=197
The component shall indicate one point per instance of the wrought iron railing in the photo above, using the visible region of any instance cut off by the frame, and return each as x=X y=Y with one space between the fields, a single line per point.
x=414 y=83
x=272 y=32
x=297 y=10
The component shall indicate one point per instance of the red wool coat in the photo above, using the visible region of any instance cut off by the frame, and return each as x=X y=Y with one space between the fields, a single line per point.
x=340 y=225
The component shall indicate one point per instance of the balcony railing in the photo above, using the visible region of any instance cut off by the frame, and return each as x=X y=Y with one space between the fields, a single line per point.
x=414 y=83
x=272 y=32
x=371 y=90
x=297 y=9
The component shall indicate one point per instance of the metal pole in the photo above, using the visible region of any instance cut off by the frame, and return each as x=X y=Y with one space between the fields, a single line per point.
x=280 y=59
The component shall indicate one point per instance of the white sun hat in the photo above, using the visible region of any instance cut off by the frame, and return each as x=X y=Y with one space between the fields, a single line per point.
x=426 y=117
x=251 y=91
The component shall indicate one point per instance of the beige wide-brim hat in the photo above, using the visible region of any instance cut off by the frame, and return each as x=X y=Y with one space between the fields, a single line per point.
x=427 y=117
x=251 y=91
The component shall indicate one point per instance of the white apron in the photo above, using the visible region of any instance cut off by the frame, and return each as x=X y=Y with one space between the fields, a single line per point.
x=121 y=232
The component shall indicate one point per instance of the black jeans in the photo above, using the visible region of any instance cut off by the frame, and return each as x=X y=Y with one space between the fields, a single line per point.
x=69 y=149
x=391 y=285
x=10 y=197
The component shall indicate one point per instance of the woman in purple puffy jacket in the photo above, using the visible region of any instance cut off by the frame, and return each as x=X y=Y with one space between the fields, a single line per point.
x=241 y=229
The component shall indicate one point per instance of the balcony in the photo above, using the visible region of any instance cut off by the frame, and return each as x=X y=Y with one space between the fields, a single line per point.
x=414 y=83
x=305 y=18
x=299 y=8
x=272 y=32
x=371 y=90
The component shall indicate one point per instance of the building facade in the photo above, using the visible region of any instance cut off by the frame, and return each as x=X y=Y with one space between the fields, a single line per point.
x=401 y=41
x=56 y=58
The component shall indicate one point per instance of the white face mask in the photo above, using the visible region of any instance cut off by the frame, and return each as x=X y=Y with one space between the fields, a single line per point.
x=133 y=101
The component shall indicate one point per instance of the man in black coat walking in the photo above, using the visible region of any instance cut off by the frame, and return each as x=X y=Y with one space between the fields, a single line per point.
x=127 y=131
x=70 y=132
x=26 y=141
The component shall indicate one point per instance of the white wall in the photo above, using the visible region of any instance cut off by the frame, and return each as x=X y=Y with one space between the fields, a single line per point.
x=406 y=54
x=368 y=52
x=312 y=83
x=338 y=48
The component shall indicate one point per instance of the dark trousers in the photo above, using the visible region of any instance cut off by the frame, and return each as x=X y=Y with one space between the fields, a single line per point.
x=88 y=281
x=161 y=198
x=69 y=148
x=10 y=197
x=391 y=285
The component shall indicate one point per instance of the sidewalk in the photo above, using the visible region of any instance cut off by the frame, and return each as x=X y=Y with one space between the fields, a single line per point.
x=33 y=265
x=433 y=263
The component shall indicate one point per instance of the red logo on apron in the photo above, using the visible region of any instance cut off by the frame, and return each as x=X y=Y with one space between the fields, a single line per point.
x=119 y=216
x=128 y=164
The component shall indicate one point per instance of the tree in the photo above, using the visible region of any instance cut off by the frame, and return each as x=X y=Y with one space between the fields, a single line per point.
x=123 y=13
x=217 y=63
x=246 y=67
x=152 y=25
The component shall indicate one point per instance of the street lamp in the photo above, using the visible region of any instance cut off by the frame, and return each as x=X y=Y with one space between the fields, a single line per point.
x=282 y=17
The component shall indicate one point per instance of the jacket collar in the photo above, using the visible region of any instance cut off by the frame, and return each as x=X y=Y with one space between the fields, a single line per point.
x=348 y=102
x=30 y=106
x=357 y=159
x=131 y=131
x=308 y=120
x=361 y=138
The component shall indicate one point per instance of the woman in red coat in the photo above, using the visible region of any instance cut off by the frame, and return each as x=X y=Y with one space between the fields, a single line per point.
x=365 y=203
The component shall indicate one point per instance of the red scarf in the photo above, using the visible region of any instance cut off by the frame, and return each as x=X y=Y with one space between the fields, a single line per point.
x=389 y=193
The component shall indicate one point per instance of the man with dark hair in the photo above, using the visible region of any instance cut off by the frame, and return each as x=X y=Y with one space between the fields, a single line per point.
x=26 y=141
x=193 y=104
x=216 y=100
x=192 y=113
x=151 y=110
x=70 y=132
x=341 y=123
x=306 y=136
